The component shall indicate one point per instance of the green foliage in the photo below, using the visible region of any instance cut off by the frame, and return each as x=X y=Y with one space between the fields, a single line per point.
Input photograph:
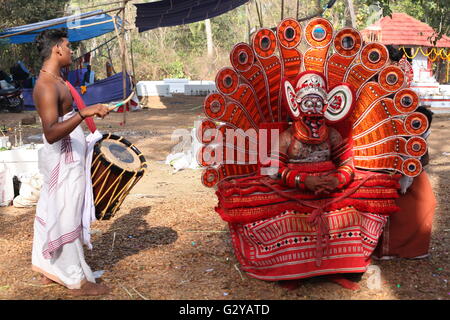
x=20 y=12
x=181 y=51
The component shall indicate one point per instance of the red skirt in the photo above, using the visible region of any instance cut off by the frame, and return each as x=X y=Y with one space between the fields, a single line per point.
x=280 y=233
x=285 y=246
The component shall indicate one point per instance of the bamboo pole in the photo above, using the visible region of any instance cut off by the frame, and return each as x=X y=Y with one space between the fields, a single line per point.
x=121 y=39
x=132 y=56
x=54 y=24
x=124 y=66
x=110 y=58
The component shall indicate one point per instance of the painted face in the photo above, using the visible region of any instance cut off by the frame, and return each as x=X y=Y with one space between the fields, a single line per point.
x=312 y=106
x=65 y=52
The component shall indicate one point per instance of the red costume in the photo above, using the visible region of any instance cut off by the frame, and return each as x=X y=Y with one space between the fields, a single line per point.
x=316 y=201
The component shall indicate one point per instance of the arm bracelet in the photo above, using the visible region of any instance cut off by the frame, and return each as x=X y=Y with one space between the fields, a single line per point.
x=82 y=118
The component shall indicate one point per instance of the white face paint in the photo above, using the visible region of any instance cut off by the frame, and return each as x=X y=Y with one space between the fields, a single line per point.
x=312 y=104
x=292 y=101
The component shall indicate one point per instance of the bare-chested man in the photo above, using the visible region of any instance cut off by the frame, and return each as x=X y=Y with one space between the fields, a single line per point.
x=57 y=245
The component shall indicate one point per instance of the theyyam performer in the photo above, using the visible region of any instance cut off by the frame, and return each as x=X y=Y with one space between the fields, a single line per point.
x=335 y=129
x=65 y=207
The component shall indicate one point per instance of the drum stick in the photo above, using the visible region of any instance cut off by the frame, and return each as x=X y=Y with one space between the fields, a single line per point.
x=121 y=103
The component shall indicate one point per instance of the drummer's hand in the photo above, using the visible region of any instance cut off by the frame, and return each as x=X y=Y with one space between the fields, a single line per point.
x=99 y=110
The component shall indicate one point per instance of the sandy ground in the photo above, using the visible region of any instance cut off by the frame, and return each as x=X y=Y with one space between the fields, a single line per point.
x=166 y=241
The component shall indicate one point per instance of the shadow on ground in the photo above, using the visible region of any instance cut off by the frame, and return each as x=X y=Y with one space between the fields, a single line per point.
x=128 y=235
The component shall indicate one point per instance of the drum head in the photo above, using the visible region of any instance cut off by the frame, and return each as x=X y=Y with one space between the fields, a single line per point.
x=118 y=153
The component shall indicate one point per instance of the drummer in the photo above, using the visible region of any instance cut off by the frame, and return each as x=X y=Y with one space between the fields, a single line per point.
x=57 y=246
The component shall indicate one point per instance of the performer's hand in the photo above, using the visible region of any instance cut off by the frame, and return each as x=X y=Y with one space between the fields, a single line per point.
x=99 y=110
x=313 y=183
x=327 y=184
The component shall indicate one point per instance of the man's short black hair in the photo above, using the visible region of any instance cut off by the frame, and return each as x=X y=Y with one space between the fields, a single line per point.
x=394 y=54
x=47 y=39
x=427 y=112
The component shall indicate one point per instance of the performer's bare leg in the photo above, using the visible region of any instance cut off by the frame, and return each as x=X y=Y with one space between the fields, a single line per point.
x=44 y=280
x=343 y=282
x=91 y=289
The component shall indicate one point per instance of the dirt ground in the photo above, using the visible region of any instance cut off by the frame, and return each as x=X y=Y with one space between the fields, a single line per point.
x=167 y=243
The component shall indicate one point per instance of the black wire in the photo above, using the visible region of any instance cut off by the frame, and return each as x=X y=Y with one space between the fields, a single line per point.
x=331 y=3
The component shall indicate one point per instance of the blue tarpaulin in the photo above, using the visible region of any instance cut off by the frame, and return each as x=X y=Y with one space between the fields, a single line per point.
x=79 y=26
x=102 y=91
x=168 y=13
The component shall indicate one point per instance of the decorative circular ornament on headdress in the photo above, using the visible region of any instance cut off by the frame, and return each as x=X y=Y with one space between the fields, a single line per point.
x=289 y=33
x=347 y=42
x=416 y=123
x=227 y=81
x=207 y=131
x=391 y=78
x=242 y=57
x=340 y=103
x=416 y=146
x=406 y=100
x=374 y=56
x=210 y=177
x=209 y=155
x=214 y=106
x=412 y=167
x=264 y=43
x=319 y=32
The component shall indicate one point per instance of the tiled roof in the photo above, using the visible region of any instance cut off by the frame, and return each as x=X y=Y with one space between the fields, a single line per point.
x=403 y=29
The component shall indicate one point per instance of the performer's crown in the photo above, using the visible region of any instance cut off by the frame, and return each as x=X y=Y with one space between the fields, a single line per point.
x=311 y=83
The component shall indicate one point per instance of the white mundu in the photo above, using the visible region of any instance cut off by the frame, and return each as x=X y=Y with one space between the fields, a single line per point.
x=58 y=229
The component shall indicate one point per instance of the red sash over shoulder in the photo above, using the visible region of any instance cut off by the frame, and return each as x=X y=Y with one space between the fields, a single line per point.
x=81 y=105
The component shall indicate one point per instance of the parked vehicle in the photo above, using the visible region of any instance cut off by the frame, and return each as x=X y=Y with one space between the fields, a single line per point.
x=11 y=98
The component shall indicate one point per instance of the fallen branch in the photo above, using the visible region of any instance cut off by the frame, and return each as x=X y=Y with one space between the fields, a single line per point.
x=114 y=239
x=131 y=296
x=140 y=295
x=41 y=285
x=240 y=273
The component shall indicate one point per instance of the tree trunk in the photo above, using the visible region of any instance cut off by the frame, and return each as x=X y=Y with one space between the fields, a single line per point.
x=249 y=26
x=318 y=6
x=351 y=9
x=209 y=39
